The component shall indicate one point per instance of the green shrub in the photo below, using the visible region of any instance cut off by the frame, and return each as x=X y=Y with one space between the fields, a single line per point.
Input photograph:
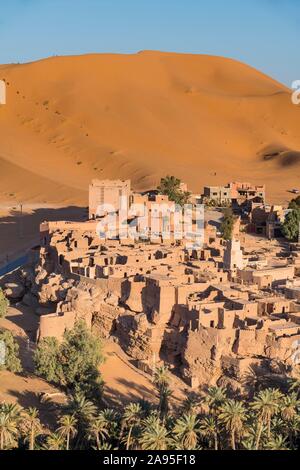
x=72 y=364
x=290 y=227
x=11 y=357
x=3 y=304
x=227 y=224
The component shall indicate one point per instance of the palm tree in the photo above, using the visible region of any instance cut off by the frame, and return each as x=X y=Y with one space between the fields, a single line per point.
x=81 y=408
x=155 y=435
x=164 y=396
x=161 y=376
x=266 y=405
x=113 y=421
x=33 y=425
x=192 y=403
x=83 y=411
x=289 y=406
x=215 y=397
x=67 y=428
x=277 y=443
x=249 y=435
x=294 y=383
x=277 y=425
x=13 y=410
x=162 y=379
x=186 y=430
x=132 y=417
x=54 y=442
x=209 y=430
x=233 y=415
x=8 y=430
x=98 y=430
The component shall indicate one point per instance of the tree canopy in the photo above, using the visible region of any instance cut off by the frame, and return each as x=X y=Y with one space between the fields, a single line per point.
x=72 y=364
x=227 y=224
x=290 y=227
x=295 y=203
x=170 y=186
x=10 y=352
x=3 y=304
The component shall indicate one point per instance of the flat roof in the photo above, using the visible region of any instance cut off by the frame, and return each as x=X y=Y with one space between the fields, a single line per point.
x=287 y=326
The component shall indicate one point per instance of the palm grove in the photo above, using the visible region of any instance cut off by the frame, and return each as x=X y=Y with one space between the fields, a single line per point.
x=210 y=420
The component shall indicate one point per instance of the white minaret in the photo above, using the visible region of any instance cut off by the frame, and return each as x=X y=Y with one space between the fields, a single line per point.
x=2 y=92
x=233 y=256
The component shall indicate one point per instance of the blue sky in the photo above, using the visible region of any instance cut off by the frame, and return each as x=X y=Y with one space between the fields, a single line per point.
x=262 y=33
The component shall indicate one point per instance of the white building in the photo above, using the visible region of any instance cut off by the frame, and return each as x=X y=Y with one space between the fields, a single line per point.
x=233 y=256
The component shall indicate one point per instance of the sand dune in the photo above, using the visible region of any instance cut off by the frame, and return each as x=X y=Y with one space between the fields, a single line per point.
x=70 y=119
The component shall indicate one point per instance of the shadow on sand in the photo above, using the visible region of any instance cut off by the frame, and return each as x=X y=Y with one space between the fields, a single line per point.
x=20 y=230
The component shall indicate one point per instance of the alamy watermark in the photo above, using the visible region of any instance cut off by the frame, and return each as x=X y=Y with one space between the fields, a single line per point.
x=154 y=221
x=2 y=353
x=296 y=352
x=296 y=93
x=2 y=92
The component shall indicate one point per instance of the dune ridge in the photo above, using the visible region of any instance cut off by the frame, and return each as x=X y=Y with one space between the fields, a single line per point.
x=206 y=119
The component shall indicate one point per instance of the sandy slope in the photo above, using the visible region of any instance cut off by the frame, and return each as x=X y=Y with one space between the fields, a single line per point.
x=69 y=119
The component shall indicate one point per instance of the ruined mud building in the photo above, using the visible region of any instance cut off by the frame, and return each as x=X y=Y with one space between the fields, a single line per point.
x=214 y=312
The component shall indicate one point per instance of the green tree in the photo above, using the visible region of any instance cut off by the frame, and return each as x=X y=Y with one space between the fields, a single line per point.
x=32 y=425
x=82 y=409
x=289 y=406
x=266 y=405
x=155 y=436
x=46 y=360
x=227 y=224
x=277 y=443
x=290 y=226
x=233 y=415
x=132 y=417
x=186 y=431
x=54 y=442
x=209 y=430
x=161 y=377
x=73 y=364
x=67 y=429
x=215 y=397
x=161 y=380
x=8 y=429
x=3 y=304
x=170 y=186
x=294 y=383
x=11 y=352
x=98 y=431
x=295 y=203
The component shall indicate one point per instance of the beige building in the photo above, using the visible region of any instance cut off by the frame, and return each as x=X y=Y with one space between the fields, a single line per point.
x=234 y=192
x=107 y=192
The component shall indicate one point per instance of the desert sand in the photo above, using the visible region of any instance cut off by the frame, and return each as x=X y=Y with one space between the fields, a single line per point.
x=205 y=119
